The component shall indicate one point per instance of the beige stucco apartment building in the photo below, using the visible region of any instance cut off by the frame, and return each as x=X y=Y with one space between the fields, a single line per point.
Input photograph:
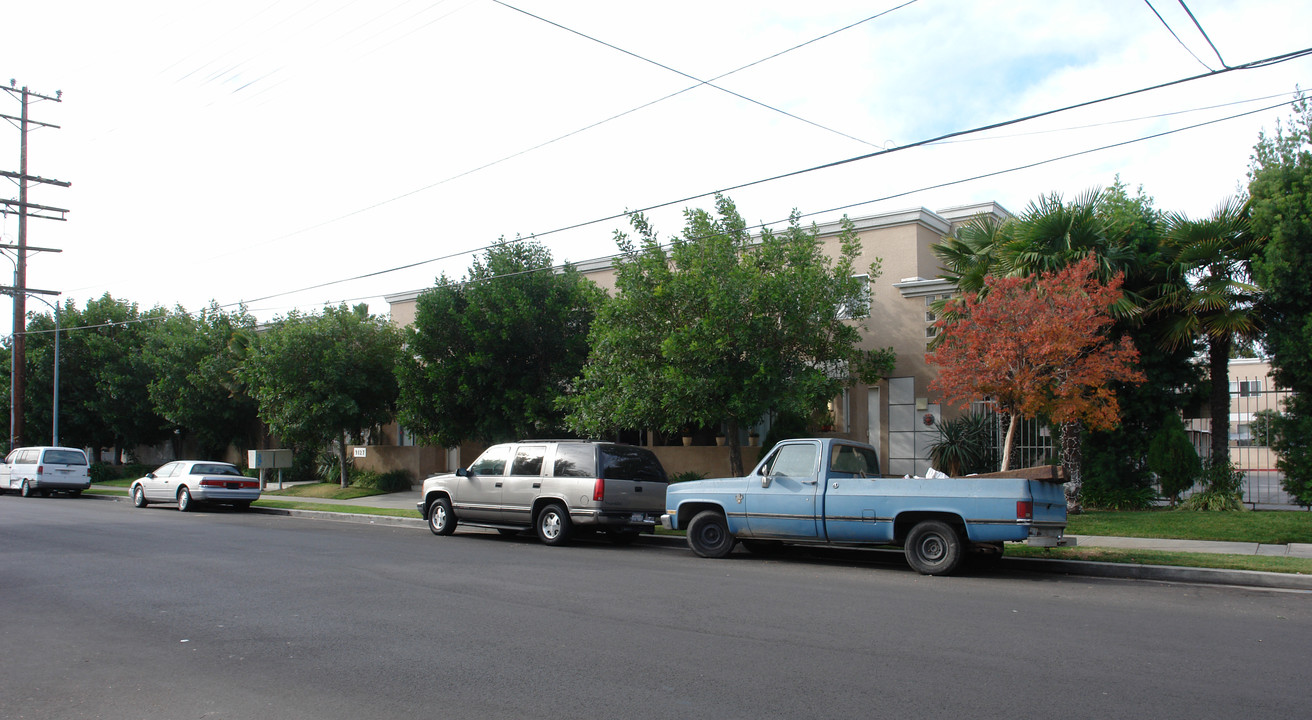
x=896 y=415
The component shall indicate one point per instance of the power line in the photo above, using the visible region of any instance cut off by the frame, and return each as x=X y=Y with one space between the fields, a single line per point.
x=1177 y=37
x=699 y=81
x=1204 y=32
x=810 y=214
x=849 y=206
x=567 y=135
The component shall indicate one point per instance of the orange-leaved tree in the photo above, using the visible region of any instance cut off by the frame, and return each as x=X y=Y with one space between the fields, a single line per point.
x=1037 y=346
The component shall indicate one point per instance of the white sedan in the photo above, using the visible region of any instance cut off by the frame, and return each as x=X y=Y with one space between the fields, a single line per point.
x=187 y=482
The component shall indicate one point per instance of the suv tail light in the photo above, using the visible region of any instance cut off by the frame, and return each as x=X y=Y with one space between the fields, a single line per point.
x=1024 y=510
x=599 y=490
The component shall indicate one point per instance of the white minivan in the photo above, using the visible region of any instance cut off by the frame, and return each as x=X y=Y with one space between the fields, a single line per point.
x=32 y=470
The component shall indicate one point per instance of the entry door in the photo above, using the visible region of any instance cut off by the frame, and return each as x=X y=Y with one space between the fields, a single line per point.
x=780 y=501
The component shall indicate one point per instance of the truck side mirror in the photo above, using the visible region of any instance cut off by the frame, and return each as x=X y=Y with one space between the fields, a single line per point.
x=766 y=480
x=461 y=472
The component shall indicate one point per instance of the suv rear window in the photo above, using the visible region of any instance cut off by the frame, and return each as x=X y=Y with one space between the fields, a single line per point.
x=623 y=462
x=65 y=457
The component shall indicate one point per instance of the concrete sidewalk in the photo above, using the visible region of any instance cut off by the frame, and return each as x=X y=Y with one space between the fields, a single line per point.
x=1298 y=550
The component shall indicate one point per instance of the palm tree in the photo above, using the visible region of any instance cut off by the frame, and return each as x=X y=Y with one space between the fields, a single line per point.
x=1210 y=293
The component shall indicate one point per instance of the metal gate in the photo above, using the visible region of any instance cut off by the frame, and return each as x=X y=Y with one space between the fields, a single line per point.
x=1252 y=401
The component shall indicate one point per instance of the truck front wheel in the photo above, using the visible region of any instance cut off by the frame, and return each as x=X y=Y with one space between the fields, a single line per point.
x=708 y=535
x=933 y=548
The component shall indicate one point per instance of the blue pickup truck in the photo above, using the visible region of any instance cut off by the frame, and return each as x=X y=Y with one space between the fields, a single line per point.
x=829 y=491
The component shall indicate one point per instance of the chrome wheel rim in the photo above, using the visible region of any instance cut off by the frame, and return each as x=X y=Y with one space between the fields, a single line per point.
x=551 y=525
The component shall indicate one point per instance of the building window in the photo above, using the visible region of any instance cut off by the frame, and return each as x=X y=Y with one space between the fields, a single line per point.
x=1246 y=388
x=858 y=307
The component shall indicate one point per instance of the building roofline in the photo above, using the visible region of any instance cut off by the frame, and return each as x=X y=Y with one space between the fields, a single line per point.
x=940 y=222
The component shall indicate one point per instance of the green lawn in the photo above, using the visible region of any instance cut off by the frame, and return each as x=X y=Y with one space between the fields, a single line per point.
x=321 y=490
x=1272 y=527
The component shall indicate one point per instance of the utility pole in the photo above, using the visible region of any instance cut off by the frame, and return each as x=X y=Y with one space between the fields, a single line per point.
x=24 y=209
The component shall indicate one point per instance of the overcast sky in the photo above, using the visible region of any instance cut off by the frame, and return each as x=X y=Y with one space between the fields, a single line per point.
x=246 y=150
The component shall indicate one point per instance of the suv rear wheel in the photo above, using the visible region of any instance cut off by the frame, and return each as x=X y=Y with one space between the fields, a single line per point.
x=553 y=525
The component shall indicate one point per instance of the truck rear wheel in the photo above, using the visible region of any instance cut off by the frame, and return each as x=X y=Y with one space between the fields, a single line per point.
x=933 y=548
x=708 y=535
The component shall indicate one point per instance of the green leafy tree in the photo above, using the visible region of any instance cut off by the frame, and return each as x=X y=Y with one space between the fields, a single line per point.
x=194 y=385
x=488 y=358
x=1280 y=189
x=321 y=379
x=1173 y=458
x=104 y=379
x=720 y=328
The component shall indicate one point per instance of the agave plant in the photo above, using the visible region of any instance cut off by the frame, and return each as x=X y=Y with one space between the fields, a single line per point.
x=965 y=445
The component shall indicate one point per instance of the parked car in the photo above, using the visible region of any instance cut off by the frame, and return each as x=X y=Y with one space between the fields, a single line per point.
x=44 y=469
x=187 y=482
x=554 y=487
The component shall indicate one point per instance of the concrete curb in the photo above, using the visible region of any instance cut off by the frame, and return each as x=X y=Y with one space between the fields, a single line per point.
x=1164 y=573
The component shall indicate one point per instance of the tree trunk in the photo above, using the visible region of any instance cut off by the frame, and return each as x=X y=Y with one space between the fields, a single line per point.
x=1218 y=365
x=735 y=451
x=341 y=460
x=1072 y=461
x=1011 y=439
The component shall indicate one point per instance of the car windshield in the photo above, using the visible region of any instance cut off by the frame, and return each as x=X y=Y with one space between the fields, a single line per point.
x=65 y=457
x=214 y=469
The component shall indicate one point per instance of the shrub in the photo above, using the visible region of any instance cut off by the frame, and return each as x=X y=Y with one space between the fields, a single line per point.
x=100 y=472
x=388 y=482
x=686 y=476
x=1222 y=486
x=1173 y=458
x=1104 y=497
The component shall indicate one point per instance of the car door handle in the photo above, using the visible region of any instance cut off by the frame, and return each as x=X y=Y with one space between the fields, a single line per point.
x=497 y=485
x=537 y=485
x=809 y=482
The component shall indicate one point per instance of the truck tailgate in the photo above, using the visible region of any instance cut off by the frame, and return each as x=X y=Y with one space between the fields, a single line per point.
x=1049 y=502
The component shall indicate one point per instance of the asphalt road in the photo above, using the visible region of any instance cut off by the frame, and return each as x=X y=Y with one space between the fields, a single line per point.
x=114 y=612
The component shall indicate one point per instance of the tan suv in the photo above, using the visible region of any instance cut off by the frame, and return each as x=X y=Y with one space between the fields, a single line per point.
x=552 y=486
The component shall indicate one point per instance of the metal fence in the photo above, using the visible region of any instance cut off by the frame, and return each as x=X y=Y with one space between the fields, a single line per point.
x=1033 y=443
x=1251 y=400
